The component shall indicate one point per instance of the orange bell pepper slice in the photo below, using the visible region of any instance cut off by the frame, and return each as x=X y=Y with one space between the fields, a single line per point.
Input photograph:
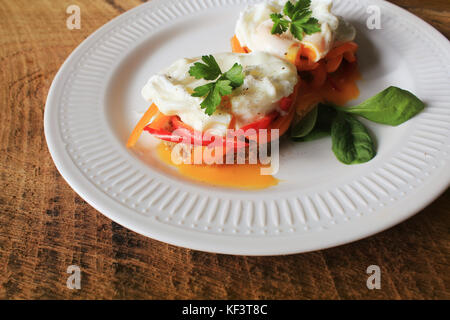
x=236 y=46
x=139 y=128
x=346 y=47
x=160 y=122
x=333 y=64
x=350 y=56
x=319 y=75
x=262 y=123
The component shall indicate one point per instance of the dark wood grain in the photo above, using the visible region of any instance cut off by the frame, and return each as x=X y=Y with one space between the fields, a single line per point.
x=45 y=226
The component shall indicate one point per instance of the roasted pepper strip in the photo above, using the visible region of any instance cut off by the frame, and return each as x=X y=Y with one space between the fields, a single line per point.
x=333 y=64
x=262 y=123
x=346 y=47
x=193 y=136
x=236 y=46
x=148 y=115
x=163 y=134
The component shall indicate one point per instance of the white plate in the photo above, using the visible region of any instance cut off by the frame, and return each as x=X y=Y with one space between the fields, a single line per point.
x=91 y=109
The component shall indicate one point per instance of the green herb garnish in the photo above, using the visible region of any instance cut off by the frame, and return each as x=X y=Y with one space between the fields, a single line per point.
x=305 y=125
x=392 y=106
x=214 y=91
x=351 y=141
x=297 y=18
x=315 y=125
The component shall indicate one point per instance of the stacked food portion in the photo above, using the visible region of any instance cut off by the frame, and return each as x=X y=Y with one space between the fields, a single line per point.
x=307 y=34
x=292 y=67
x=279 y=47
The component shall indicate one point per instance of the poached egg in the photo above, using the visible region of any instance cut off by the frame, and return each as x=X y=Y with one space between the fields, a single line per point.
x=267 y=80
x=253 y=29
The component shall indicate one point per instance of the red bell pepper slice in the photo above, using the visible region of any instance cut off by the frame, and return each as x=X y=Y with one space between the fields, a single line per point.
x=194 y=137
x=262 y=123
x=178 y=124
x=163 y=134
x=286 y=102
x=185 y=132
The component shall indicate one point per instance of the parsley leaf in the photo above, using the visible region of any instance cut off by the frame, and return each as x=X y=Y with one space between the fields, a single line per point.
x=224 y=87
x=203 y=90
x=302 y=16
x=214 y=91
x=311 y=26
x=300 y=22
x=210 y=70
x=235 y=75
x=290 y=9
x=212 y=100
x=280 y=25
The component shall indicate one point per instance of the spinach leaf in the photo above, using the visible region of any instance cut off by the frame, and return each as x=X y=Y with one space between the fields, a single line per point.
x=351 y=142
x=322 y=124
x=316 y=134
x=392 y=106
x=306 y=125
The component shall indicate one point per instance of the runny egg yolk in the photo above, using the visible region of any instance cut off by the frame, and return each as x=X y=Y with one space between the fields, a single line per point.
x=239 y=176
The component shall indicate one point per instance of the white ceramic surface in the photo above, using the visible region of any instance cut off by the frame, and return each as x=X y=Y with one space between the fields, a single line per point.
x=91 y=109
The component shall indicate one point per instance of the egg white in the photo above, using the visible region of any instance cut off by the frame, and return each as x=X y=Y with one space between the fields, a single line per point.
x=267 y=80
x=253 y=29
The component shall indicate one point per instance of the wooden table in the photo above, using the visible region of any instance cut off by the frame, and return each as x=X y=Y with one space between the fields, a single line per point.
x=45 y=226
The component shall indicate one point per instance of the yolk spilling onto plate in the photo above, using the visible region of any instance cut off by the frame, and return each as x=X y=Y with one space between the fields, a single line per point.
x=240 y=176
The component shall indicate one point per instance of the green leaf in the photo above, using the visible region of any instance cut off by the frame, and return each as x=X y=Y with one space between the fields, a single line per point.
x=210 y=70
x=203 y=90
x=301 y=16
x=235 y=75
x=224 y=87
x=297 y=31
x=211 y=101
x=392 y=106
x=301 y=20
x=306 y=125
x=322 y=125
x=311 y=26
x=290 y=9
x=214 y=91
x=303 y=5
x=351 y=142
x=280 y=25
x=316 y=134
